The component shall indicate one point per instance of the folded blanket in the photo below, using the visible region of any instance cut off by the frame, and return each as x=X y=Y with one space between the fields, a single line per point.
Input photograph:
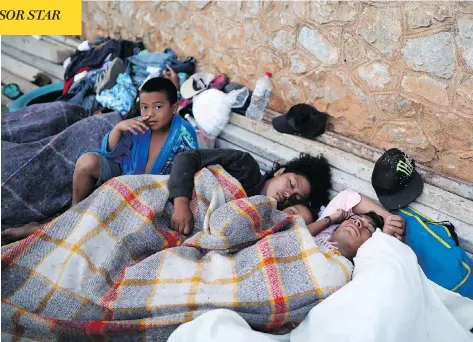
x=40 y=145
x=111 y=266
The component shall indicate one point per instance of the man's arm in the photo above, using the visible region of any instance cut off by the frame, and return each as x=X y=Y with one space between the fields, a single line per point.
x=240 y=165
x=394 y=225
x=366 y=205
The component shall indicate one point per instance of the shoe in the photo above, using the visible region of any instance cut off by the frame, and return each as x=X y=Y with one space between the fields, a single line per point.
x=109 y=79
x=12 y=91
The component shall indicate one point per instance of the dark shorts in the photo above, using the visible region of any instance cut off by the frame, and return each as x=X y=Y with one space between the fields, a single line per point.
x=108 y=169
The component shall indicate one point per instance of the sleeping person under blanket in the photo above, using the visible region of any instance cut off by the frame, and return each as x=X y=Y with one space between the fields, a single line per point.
x=303 y=178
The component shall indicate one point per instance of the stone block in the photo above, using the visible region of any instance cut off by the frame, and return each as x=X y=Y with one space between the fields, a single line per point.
x=354 y=51
x=421 y=14
x=377 y=76
x=284 y=41
x=407 y=134
x=278 y=14
x=381 y=27
x=431 y=89
x=323 y=12
x=447 y=131
x=464 y=94
x=395 y=106
x=465 y=39
x=318 y=46
x=434 y=54
x=298 y=63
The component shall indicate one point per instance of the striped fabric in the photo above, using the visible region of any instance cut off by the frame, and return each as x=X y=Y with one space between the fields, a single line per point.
x=110 y=268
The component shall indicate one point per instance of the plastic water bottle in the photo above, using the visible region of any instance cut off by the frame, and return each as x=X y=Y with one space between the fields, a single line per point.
x=260 y=98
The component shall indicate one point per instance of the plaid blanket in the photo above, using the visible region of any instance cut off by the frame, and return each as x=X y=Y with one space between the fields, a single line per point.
x=40 y=144
x=111 y=267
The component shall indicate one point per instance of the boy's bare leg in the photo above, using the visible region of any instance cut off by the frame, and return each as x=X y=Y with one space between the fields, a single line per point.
x=18 y=233
x=86 y=173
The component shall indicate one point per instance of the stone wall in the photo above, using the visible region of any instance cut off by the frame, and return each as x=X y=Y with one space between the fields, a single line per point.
x=388 y=73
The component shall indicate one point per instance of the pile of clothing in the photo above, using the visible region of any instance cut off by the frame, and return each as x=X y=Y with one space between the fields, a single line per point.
x=104 y=75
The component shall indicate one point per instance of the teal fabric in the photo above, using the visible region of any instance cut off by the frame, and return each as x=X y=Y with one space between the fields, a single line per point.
x=440 y=258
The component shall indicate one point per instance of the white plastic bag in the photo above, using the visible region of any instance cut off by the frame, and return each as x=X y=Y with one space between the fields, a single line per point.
x=211 y=110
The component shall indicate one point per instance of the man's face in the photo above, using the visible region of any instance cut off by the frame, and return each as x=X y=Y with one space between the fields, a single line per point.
x=352 y=233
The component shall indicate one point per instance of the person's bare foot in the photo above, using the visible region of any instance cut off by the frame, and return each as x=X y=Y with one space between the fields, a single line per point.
x=14 y=234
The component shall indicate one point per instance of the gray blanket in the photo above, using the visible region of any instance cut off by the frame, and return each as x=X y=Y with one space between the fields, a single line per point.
x=40 y=145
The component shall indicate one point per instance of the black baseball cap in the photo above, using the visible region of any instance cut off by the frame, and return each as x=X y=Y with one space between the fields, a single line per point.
x=396 y=180
x=303 y=120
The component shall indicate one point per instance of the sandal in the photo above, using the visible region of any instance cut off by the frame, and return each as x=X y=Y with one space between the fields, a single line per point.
x=12 y=91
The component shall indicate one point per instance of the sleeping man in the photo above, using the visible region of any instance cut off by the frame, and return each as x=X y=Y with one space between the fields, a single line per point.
x=350 y=219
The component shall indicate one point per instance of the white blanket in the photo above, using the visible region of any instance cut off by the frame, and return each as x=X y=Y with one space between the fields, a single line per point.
x=389 y=299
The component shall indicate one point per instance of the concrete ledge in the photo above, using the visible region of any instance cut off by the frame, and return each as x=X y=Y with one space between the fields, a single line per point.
x=50 y=68
x=25 y=85
x=39 y=48
x=451 y=184
x=65 y=40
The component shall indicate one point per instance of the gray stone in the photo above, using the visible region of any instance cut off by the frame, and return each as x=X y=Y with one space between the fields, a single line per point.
x=322 y=12
x=126 y=9
x=376 y=75
x=284 y=41
x=465 y=39
x=298 y=63
x=465 y=6
x=318 y=46
x=252 y=8
x=201 y=4
x=396 y=106
x=434 y=54
x=424 y=15
x=382 y=28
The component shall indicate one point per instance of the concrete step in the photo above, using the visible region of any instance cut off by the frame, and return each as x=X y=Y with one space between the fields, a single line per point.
x=25 y=85
x=39 y=48
x=49 y=68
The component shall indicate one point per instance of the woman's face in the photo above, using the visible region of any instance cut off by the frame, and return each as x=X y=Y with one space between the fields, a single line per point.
x=285 y=186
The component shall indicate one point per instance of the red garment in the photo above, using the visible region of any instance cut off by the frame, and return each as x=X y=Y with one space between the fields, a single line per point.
x=68 y=83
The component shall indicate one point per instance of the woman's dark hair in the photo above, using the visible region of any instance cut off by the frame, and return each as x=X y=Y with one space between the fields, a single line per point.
x=316 y=170
x=161 y=85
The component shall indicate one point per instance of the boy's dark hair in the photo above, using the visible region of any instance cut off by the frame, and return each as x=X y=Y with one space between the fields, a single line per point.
x=316 y=170
x=306 y=203
x=377 y=219
x=161 y=85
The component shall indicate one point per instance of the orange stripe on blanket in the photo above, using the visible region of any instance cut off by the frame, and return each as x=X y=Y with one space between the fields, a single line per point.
x=278 y=298
x=131 y=198
x=228 y=183
x=95 y=328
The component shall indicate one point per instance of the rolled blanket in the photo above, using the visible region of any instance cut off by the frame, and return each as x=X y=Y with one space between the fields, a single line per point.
x=111 y=267
x=40 y=145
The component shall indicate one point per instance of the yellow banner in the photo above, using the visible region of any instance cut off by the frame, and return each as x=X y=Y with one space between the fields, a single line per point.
x=45 y=17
